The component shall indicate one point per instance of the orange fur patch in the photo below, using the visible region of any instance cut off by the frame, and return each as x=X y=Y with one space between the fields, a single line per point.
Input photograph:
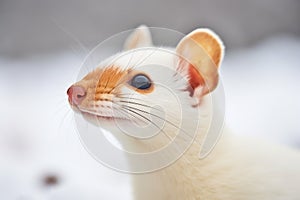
x=109 y=80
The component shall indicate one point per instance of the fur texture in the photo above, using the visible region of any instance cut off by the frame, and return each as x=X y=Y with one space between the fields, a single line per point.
x=238 y=168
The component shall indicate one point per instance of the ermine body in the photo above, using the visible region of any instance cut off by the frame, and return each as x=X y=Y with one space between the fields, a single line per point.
x=127 y=87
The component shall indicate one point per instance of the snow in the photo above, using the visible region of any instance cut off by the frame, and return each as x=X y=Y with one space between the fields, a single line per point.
x=262 y=87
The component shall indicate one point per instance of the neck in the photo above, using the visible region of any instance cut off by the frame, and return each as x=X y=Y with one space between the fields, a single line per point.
x=175 y=181
x=188 y=178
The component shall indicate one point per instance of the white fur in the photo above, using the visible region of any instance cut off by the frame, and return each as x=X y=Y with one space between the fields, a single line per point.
x=238 y=168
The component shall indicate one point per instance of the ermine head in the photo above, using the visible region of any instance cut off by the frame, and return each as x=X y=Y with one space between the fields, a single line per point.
x=147 y=84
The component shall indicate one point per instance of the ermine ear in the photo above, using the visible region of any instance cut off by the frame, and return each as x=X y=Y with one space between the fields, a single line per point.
x=200 y=55
x=141 y=37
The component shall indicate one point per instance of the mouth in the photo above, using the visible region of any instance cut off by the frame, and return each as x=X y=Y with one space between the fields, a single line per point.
x=94 y=115
x=100 y=117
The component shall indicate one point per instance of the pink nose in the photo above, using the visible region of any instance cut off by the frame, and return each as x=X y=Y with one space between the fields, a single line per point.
x=76 y=94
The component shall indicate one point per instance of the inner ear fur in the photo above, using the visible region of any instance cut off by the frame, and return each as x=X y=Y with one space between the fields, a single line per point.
x=201 y=53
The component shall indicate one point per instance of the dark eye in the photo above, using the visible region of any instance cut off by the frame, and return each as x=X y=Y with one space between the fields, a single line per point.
x=141 y=82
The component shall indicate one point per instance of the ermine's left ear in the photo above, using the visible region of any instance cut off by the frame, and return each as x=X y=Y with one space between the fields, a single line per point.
x=141 y=37
x=200 y=55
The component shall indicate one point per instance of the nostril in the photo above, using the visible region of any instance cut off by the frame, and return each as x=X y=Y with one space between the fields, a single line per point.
x=80 y=96
x=76 y=94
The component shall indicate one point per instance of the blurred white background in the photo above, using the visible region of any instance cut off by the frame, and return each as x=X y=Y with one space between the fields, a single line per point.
x=43 y=43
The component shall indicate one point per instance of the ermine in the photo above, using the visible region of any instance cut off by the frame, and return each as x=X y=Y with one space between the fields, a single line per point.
x=126 y=88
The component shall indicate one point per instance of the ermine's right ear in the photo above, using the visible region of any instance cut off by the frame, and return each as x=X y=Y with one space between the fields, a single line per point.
x=200 y=55
x=141 y=37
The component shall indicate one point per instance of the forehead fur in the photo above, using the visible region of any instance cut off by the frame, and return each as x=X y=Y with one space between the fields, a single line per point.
x=150 y=60
x=141 y=57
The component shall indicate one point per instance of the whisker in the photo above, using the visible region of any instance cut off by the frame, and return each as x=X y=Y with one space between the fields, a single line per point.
x=129 y=96
x=144 y=105
x=61 y=103
x=129 y=61
x=140 y=104
x=84 y=50
x=129 y=114
x=133 y=102
x=60 y=108
x=160 y=129
x=63 y=118
x=149 y=114
x=171 y=123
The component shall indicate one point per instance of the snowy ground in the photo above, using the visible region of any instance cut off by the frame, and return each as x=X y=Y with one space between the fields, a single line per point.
x=262 y=87
x=38 y=138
